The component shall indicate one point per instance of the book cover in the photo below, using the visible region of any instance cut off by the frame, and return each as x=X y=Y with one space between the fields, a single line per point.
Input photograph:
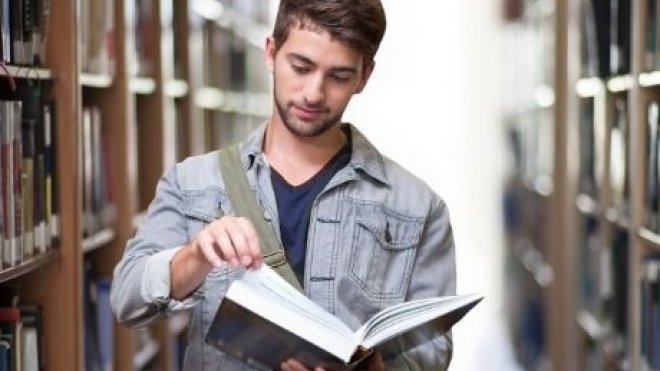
x=261 y=305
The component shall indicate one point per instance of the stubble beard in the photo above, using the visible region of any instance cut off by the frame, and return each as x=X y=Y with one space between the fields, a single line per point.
x=301 y=128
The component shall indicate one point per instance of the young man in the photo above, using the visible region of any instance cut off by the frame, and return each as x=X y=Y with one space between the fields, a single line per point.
x=360 y=232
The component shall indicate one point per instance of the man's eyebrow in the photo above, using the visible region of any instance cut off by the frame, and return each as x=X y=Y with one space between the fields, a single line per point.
x=300 y=58
x=305 y=60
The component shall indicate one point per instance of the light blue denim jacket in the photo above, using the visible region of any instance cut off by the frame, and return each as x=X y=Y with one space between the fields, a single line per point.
x=377 y=236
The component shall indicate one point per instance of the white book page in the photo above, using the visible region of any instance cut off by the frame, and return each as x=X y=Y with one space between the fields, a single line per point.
x=265 y=293
x=398 y=319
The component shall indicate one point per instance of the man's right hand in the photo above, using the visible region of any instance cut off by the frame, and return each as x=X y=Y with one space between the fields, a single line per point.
x=228 y=240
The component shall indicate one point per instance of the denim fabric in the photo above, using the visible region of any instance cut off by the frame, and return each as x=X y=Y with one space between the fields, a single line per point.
x=377 y=236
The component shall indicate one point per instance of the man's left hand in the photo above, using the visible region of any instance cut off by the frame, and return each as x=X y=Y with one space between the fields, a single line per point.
x=373 y=363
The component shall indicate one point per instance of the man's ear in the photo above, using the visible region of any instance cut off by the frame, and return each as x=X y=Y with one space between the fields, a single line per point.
x=269 y=53
x=368 y=69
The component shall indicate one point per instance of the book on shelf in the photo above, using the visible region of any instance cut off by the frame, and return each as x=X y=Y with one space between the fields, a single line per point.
x=587 y=180
x=264 y=321
x=98 y=39
x=10 y=117
x=144 y=57
x=591 y=251
x=98 y=322
x=650 y=318
x=652 y=173
x=23 y=27
x=98 y=209
x=619 y=171
x=620 y=36
x=51 y=178
x=614 y=291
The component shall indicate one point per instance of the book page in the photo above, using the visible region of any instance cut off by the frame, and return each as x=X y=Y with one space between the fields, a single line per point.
x=266 y=294
x=398 y=319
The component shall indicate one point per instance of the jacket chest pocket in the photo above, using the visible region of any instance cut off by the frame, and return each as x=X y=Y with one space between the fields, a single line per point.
x=383 y=251
x=200 y=208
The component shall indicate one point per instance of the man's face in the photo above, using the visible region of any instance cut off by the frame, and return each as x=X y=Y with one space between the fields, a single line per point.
x=315 y=78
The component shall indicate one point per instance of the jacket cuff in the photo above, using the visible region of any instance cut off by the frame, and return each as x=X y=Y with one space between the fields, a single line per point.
x=156 y=282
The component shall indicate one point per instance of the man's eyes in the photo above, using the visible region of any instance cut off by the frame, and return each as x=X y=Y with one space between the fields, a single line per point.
x=337 y=77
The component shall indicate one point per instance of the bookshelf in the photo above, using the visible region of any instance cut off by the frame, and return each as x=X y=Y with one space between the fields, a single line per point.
x=124 y=76
x=602 y=213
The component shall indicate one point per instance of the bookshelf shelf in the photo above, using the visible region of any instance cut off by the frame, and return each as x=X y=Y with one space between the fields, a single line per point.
x=615 y=217
x=589 y=325
x=649 y=79
x=176 y=88
x=98 y=240
x=145 y=355
x=142 y=85
x=28 y=72
x=589 y=87
x=619 y=84
x=26 y=266
x=99 y=81
x=214 y=99
x=534 y=262
x=651 y=238
x=587 y=205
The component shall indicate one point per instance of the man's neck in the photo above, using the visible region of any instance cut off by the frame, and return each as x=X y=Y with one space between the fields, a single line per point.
x=297 y=158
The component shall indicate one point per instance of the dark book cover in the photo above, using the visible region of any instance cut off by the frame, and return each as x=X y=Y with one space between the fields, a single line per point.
x=233 y=332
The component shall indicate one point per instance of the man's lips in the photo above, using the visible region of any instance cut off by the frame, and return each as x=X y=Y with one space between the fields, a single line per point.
x=306 y=113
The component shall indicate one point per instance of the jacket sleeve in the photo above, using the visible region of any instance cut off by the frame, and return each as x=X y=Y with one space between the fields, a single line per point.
x=141 y=283
x=434 y=274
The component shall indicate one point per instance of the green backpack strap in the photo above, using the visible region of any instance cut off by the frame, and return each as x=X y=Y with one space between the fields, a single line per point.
x=244 y=205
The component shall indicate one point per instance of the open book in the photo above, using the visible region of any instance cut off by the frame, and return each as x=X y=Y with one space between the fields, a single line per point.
x=264 y=321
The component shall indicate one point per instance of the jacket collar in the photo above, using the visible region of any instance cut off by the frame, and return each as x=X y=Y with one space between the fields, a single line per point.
x=364 y=156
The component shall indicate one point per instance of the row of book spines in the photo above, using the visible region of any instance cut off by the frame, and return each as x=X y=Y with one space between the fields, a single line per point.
x=29 y=208
x=604 y=279
x=98 y=322
x=591 y=152
x=650 y=323
x=20 y=339
x=98 y=200
x=23 y=28
x=652 y=36
x=607 y=36
x=652 y=198
x=98 y=41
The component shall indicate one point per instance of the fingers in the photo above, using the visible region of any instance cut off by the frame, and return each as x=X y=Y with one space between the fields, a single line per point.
x=293 y=365
x=232 y=240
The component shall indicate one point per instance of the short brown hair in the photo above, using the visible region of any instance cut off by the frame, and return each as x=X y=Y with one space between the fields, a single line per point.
x=360 y=24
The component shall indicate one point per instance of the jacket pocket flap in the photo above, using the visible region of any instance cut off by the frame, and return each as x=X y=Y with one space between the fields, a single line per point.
x=392 y=230
x=204 y=205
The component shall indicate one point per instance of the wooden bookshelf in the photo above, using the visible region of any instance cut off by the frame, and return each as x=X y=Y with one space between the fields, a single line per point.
x=618 y=230
x=149 y=122
x=27 y=266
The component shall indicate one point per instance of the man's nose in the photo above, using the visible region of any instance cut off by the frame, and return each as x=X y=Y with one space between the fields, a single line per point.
x=314 y=92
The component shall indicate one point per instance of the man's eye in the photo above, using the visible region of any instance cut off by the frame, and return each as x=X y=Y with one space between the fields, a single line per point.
x=300 y=69
x=340 y=78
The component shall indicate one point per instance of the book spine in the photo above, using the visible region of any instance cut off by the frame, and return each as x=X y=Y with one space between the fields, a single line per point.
x=5 y=31
x=653 y=118
x=17 y=253
x=8 y=184
x=16 y=8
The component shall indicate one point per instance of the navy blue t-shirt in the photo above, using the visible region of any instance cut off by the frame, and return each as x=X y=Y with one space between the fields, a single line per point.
x=294 y=205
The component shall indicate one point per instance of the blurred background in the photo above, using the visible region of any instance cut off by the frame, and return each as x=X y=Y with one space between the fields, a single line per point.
x=535 y=120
